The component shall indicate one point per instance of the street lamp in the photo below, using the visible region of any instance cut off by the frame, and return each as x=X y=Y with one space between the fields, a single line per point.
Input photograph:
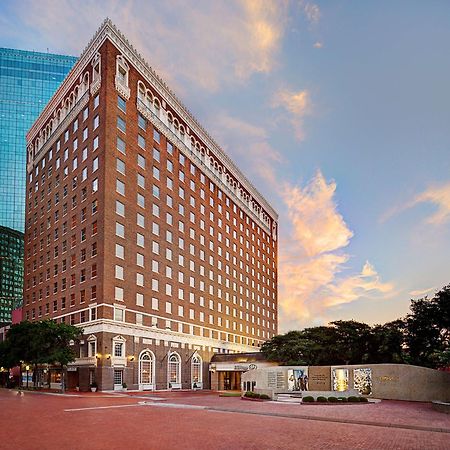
x=27 y=368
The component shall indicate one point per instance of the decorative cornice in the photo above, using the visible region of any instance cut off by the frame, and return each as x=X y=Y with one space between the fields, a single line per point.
x=110 y=31
x=82 y=102
x=163 y=128
x=95 y=86
x=110 y=326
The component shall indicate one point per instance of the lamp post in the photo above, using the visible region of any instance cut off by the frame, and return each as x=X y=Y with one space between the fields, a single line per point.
x=27 y=368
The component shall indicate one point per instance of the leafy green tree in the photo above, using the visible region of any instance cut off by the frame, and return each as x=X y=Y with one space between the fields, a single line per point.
x=343 y=342
x=428 y=330
x=42 y=342
x=58 y=348
x=386 y=343
x=351 y=345
x=288 y=349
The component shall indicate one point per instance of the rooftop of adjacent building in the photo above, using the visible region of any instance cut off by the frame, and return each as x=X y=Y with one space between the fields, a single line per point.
x=33 y=54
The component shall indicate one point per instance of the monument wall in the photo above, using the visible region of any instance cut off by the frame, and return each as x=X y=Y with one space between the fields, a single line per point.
x=383 y=381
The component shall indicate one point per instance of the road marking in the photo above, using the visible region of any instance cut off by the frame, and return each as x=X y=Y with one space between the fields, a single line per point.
x=101 y=407
x=173 y=405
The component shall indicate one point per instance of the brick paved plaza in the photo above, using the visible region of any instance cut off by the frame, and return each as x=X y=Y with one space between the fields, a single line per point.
x=203 y=420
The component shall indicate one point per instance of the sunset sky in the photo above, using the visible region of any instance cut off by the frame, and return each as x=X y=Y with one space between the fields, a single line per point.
x=338 y=111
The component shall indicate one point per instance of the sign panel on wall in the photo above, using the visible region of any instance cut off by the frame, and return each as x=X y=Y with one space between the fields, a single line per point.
x=340 y=379
x=362 y=380
x=298 y=379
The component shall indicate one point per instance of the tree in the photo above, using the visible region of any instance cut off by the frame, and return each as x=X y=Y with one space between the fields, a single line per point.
x=351 y=345
x=386 y=343
x=288 y=349
x=342 y=342
x=42 y=342
x=58 y=348
x=428 y=330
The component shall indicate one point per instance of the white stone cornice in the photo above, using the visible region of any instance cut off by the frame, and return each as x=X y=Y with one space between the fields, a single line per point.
x=164 y=129
x=110 y=326
x=82 y=102
x=95 y=86
x=108 y=31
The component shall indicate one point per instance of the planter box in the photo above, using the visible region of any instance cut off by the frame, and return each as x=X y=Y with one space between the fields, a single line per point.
x=253 y=399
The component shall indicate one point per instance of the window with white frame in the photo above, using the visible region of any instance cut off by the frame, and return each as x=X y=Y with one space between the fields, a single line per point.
x=196 y=370
x=174 y=372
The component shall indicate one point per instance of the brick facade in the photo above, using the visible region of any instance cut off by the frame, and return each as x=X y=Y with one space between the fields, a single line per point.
x=150 y=237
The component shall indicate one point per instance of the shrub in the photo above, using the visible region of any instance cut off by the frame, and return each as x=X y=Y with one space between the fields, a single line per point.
x=308 y=399
x=322 y=399
x=342 y=399
x=333 y=399
x=250 y=394
x=353 y=399
x=264 y=397
x=124 y=385
x=363 y=399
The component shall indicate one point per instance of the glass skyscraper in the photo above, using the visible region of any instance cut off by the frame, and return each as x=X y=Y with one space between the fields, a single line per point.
x=11 y=272
x=27 y=82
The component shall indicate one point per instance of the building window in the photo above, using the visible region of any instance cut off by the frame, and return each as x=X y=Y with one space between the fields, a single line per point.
x=146 y=369
x=121 y=145
x=118 y=349
x=174 y=372
x=120 y=166
x=118 y=378
x=119 y=314
x=121 y=103
x=92 y=346
x=196 y=371
x=121 y=125
x=142 y=122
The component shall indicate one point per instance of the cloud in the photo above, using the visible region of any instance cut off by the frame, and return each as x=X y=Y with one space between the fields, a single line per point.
x=312 y=12
x=438 y=196
x=421 y=292
x=248 y=144
x=313 y=275
x=318 y=44
x=209 y=45
x=317 y=225
x=297 y=104
x=312 y=258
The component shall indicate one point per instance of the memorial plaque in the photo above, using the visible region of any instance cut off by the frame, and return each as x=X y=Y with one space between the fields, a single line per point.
x=280 y=380
x=319 y=378
x=271 y=380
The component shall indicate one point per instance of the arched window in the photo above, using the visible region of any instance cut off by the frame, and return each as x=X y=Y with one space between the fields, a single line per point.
x=146 y=370
x=122 y=69
x=174 y=372
x=121 y=79
x=96 y=67
x=196 y=372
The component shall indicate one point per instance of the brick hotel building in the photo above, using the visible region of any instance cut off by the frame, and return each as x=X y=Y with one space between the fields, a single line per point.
x=141 y=230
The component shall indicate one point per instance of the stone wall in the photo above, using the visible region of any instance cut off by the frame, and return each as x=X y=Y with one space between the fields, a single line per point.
x=389 y=381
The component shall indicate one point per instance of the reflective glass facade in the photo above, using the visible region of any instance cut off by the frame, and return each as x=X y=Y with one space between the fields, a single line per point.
x=27 y=82
x=11 y=272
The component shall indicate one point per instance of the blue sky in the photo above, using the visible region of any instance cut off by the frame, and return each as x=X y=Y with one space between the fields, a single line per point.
x=337 y=111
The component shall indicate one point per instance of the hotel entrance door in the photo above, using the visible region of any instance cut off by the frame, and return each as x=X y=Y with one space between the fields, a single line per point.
x=230 y=381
